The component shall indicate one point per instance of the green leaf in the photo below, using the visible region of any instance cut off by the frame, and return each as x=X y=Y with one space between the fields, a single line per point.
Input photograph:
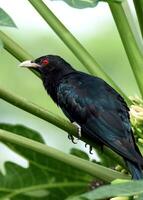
x=5 y=19
x=45 y=178
x=105 y=160
x=113 y=1
x=79 y=153
x=121 y=189
x=87 y=3
x=82 y=3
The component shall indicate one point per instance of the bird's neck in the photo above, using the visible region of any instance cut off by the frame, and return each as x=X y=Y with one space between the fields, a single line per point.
x=51 y=82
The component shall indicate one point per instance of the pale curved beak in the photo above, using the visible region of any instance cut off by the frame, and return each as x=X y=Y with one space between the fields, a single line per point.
x=28 y=64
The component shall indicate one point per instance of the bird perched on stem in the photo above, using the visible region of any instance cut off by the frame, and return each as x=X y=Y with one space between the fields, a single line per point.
x=92 y=105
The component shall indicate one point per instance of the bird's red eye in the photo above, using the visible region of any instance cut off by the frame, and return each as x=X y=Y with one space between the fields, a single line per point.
x=45 y=62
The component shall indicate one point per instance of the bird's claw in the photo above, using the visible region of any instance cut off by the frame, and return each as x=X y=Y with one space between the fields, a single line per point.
x=79 y=129
x=71 y=137
x=86 y=145
x=90 y=148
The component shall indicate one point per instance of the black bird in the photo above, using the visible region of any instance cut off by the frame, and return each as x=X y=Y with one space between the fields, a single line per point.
x=93 y=105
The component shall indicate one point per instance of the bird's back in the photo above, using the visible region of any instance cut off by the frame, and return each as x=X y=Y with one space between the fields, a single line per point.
x=100 y=111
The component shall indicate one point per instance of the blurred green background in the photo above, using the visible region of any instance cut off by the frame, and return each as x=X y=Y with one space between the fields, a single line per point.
x=93 y=27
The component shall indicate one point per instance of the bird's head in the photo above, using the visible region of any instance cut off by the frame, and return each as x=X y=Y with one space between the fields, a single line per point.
x=49 y=65
x=52 y=69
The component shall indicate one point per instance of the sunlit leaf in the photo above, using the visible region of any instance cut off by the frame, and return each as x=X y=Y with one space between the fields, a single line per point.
x=5 y=19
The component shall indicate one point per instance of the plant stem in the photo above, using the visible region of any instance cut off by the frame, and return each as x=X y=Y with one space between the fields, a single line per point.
x=121 y=17
x=68 y=38
x=52 y=118
x=99 y=171
x=13 y=48
x=24 y=190
x=139 y=11
x=73 y=44
x=26 y=105
x=19 y=53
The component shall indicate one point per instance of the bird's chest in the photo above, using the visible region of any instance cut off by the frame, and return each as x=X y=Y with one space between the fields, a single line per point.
x=51 y=88
x=72 y=103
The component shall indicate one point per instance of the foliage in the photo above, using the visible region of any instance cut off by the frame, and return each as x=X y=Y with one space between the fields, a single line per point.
x=121 y=189
x=87 y=3
x=46 y=176
x=81 y=3
x=5 y=19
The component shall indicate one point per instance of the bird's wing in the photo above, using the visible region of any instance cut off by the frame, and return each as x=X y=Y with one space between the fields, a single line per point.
x=101 y=112
x=70 y=100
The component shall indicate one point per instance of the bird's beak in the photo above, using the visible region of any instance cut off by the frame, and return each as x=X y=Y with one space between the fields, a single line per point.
x=29 y=64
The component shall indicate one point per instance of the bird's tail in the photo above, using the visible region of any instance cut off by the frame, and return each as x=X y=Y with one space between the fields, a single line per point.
x=135 y=170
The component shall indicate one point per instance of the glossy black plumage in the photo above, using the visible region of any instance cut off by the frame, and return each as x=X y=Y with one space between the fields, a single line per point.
x=95 y=106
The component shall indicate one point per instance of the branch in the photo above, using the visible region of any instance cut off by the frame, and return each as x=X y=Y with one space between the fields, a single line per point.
x=96 y=170
x=14 y=49
x=120 y=12
x=139 y=11
x=73 y=44
x=29 y=107
x=52 y=118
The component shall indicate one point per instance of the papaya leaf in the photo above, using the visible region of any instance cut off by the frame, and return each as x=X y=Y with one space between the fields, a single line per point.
x=82 y=3
x=79 y=153
x=105 y=160
x=45 y=178
x=121 y=189
x=87 y=3
x=113 y=1
x=5 y=19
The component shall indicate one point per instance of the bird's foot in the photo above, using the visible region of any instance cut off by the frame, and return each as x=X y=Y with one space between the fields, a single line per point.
x=71 y=137
x=90 y=148
x=78 y=128
x=86 y=145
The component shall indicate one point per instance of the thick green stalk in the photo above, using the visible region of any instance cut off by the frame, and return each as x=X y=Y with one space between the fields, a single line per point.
x=96 y=170
x=121 y=17
x=139 y=11
x=14 y=49
x=19 y=53
x=29 y=107
x=73 y=44
x=60 y=185
x=52 y=118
